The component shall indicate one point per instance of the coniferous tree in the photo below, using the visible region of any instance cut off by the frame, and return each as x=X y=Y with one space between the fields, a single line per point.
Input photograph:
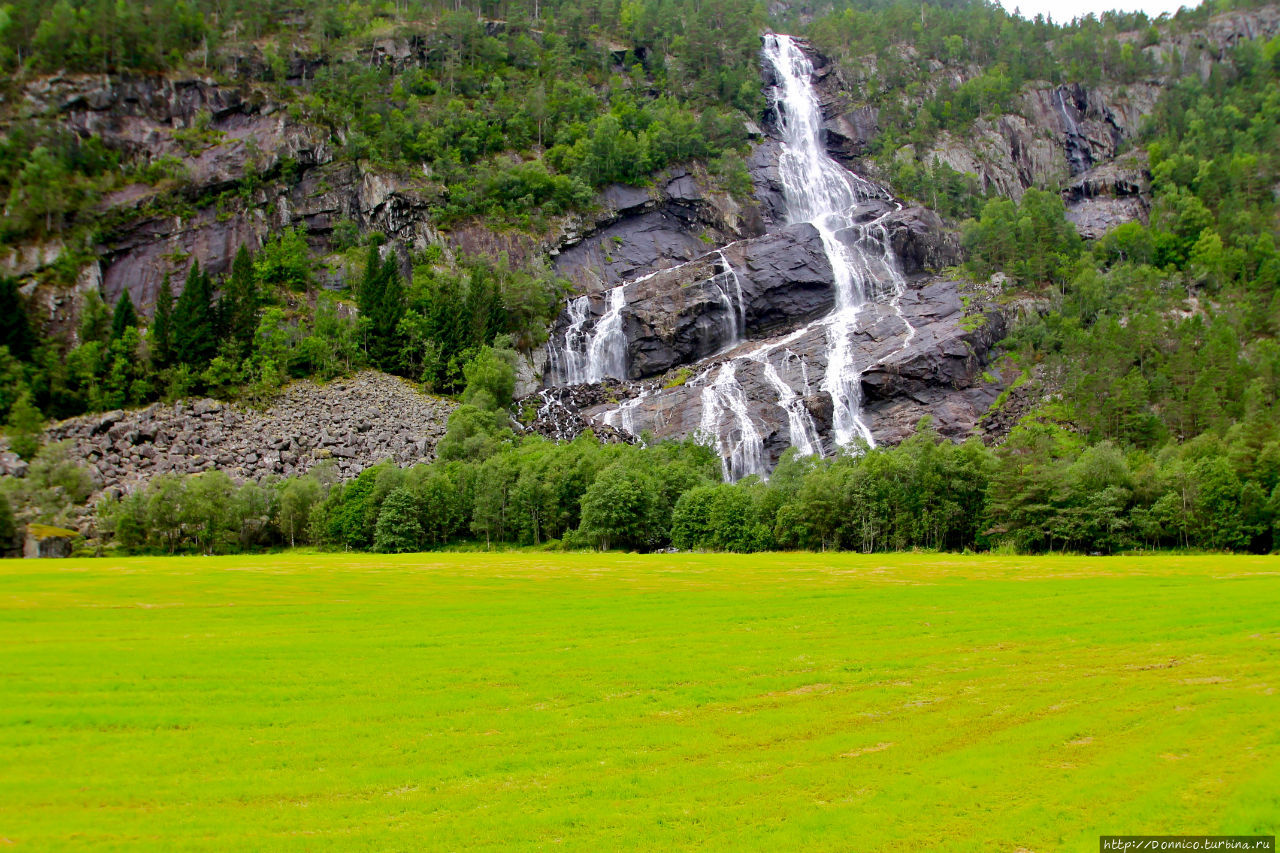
x=242 y=303
x=161 y=332
x=15 y=330
x=194 y=343
x=385 y=312
x=95 y=320
x=369 y=293
x=125 y=317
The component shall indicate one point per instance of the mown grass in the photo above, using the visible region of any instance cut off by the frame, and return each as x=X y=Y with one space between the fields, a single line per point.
x=340 y=702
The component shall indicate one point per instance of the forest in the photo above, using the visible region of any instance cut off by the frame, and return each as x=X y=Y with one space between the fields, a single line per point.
x=1154 y=349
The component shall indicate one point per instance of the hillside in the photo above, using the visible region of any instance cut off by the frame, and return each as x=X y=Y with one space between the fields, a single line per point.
x=1052 y=240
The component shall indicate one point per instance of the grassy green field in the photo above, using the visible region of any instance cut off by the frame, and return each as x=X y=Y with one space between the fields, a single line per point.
x=361 y=702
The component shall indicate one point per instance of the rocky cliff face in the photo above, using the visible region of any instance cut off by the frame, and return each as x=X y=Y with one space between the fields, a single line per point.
x=732 y=344
x=1055 y=136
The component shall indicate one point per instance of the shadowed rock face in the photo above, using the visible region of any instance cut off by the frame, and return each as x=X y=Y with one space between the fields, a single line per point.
x=687 y=313
x=1109 y=195
x=647 y=230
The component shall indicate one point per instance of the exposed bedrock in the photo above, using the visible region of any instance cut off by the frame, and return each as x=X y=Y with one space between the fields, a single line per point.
x=644 y=230
x=923 y=356
x=680 y=315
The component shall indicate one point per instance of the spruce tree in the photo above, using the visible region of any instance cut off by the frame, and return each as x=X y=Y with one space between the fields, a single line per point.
x=369 y=292
x=125 y=317
x=242 y=303
x=95 y=319
x=385 y=314
x=15 y=330
x=194 y=343
x=160 y=335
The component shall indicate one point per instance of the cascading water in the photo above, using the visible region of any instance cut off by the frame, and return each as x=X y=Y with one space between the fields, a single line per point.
x=568 y=357
x=850 y=216
x=582 y=357
x=818 y=191
x=737 y=304
x=803 y=432
x=741 y=448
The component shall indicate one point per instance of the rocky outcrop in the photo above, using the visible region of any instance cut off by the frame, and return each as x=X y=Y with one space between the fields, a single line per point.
x=353 y=423
x=44 y=541
x=921 y=241
x=939 y=373
x=1108 y=195
x=752 y=288
x=645 y=230
x=921 y=354
x=1054 y=133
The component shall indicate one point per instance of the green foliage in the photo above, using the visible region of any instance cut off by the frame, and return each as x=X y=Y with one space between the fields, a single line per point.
x=95 y=319
x=193 y=321
x=283 y=263
x=124 y=317
x=160 y=335
x=398 y=530
x=242 y=299
x=1032 y=240
x=24 y=427
x=621 y=510
x=15 y=328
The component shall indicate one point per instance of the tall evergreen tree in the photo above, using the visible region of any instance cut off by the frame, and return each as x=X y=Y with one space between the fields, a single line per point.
x=125 y=317
x=194 y=343
x=242 y=303
x=369 y=292
x=385 y=314
x=160 y=335
x=95 y=319
x=15 y=329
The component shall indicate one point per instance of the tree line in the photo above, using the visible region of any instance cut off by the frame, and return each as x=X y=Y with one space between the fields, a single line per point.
x=1047 y=488
x=266 y=322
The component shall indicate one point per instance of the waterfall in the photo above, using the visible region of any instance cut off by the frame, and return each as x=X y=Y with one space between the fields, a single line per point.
x=737 y=304
x=741 y=448
x=582 y=357
x=819 y=191
x=803 y=432
x=568 y=357
x=623 y=417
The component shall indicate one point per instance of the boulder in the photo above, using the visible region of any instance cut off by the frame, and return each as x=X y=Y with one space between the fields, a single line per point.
x=46 y=540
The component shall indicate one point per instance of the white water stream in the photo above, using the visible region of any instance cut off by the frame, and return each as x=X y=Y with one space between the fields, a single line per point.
x=817 y=191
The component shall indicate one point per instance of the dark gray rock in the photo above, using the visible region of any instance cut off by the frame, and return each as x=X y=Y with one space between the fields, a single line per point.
x=921 y=241
x=850 y=134
x=631 y=247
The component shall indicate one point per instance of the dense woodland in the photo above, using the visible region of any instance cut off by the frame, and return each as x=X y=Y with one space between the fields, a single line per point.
x=1154 y=349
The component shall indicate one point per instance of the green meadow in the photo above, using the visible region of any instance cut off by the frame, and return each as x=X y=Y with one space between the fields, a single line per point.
x=611 y=702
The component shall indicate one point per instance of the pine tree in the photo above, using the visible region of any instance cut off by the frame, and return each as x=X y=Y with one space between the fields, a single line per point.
x=15 y=330
x=125 y=317
x=194 y=343
x=161 y=332
x=385 y=314
x=95 y=320
x=24 y=427
x=369 y=293
x=242 y=303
